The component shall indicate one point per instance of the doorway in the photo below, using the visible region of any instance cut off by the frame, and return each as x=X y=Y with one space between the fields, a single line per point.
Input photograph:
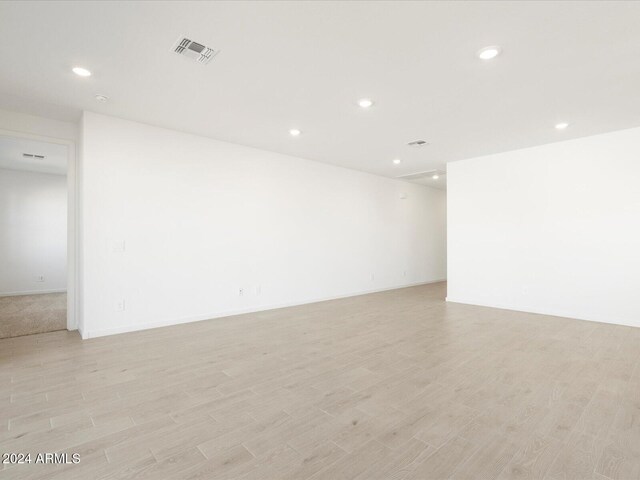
x=34 y=233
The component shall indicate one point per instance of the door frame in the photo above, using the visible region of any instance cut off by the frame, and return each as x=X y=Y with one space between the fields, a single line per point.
x=73 y=224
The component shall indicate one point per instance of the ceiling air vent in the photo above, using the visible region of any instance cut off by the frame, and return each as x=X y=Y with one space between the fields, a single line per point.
x=194 y=50
x=33 y=155
x=417 y=143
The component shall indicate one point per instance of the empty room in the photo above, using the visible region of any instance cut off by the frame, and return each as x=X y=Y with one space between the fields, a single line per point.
x=320 y=240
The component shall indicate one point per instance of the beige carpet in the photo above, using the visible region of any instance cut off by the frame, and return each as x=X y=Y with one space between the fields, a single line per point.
x=28 y=314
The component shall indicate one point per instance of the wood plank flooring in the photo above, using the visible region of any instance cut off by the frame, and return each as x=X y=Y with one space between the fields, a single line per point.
x=392 y=385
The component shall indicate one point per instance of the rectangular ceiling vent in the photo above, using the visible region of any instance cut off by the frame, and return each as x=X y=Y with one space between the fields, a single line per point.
x=433 y=174
x=194 y=50
x=33 y=155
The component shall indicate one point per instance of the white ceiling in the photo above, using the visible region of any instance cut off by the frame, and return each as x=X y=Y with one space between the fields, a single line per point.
x=12 y=150
x=305 y=65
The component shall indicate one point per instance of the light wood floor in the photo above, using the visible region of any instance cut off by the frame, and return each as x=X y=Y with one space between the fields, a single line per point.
x=29 y=314
x=394 y=385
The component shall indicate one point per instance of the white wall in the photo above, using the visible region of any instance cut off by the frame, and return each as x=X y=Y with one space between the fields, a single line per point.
x=40 y=126
x=33 y=232
x=199 y=219
x=553 y=229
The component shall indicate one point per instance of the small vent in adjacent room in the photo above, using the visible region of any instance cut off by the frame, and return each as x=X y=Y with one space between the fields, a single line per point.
x=33 y=155
x=417 y=143
x=194 y=50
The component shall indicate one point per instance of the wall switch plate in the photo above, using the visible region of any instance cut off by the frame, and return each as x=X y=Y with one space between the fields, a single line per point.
x=240 y=292
x=118 y=246
x=121 y=306
x=39 y=278
x=258 y=290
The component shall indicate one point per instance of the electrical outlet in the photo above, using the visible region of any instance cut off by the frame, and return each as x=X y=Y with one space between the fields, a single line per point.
x=404 y=274
x=39 y=278
x=258 y=290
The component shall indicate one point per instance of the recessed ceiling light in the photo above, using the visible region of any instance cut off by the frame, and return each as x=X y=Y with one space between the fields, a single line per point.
x=294 y=132
x=102 y=98
x=435 y=176
x=365 y=102
x=82 y=72
x=487 y=53
x=396 y=161
x=561 y=125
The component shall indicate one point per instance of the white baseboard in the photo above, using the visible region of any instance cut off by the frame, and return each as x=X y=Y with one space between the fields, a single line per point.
x=550 y=312
x=228 y=313
x=31 y=292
